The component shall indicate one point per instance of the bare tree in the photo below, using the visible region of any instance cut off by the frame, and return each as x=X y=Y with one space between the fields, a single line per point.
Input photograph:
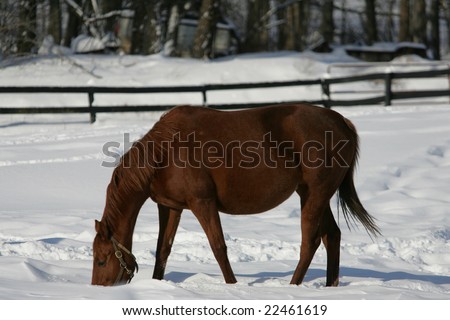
x=390 y=25
x=74 y=23
x=172 y=10
x=419 y=22
x=256 y=35
x=327 y=26
x=54 y=21
x=109 y=6
x=289 y=18
x=446 y=4
x=435 y=30
x=138 y=26
x=289 y=38
x=294 y=29
x=305 y=11
x=371 y=22
x=153 y=27
x=146 y=27
x=405 y=29
x=27 y=26
x=206 y=29
x=8 y=22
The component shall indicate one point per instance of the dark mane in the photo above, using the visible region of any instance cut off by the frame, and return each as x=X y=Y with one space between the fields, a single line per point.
x=137 y=166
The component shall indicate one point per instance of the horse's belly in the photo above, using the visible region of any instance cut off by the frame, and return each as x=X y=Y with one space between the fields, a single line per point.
x=255 y=193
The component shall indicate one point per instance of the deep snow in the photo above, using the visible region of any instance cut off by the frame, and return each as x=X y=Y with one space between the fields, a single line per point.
x=52 y=187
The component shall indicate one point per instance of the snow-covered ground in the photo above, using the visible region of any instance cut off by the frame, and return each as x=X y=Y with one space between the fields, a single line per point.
x=52 y=187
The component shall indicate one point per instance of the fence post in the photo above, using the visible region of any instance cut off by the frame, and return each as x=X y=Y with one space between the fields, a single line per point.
x=325 y=84
x=91 y=100
x=388 y=87
x=205 y=101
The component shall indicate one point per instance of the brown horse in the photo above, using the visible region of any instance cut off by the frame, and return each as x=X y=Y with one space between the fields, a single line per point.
x=239 y=162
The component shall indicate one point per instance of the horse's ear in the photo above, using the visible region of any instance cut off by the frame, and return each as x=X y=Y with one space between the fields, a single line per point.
x=102 y=229
x=97 y=226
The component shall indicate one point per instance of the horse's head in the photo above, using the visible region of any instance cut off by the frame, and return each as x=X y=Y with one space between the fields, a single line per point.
x=114 y=264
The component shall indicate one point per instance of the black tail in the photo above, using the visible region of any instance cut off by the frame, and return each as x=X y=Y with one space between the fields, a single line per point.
x=349 y=202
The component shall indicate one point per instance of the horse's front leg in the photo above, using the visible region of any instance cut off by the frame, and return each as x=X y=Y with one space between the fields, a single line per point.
x=169 y=220
x=208 y=216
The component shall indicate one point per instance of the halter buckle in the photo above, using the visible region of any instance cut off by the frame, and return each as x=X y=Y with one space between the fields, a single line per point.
x=123 y=265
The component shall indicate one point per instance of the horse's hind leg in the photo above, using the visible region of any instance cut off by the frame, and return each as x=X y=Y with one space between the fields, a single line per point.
x=313 y=209
x=331 y=237
x=208 y=216
x=169 y=220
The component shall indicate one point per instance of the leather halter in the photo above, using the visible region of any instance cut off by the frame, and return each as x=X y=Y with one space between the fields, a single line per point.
x=118 y=248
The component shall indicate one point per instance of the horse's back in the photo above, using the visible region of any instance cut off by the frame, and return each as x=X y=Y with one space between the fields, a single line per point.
x=303 y=117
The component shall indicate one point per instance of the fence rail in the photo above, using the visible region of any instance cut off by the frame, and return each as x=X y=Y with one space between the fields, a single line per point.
x=324 y=83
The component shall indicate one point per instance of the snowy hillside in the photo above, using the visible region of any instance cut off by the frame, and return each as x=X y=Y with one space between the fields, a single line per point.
x=52 y=187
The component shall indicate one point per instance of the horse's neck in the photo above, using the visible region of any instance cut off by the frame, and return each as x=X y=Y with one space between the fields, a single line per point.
x=122 y=216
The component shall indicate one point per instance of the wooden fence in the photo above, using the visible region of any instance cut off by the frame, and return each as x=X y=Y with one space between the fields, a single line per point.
x=324 y=83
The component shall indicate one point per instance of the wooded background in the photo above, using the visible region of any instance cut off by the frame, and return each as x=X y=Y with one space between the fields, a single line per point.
x=259 y=25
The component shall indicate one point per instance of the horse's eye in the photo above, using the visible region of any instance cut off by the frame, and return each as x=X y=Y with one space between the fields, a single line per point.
x=101 y=263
